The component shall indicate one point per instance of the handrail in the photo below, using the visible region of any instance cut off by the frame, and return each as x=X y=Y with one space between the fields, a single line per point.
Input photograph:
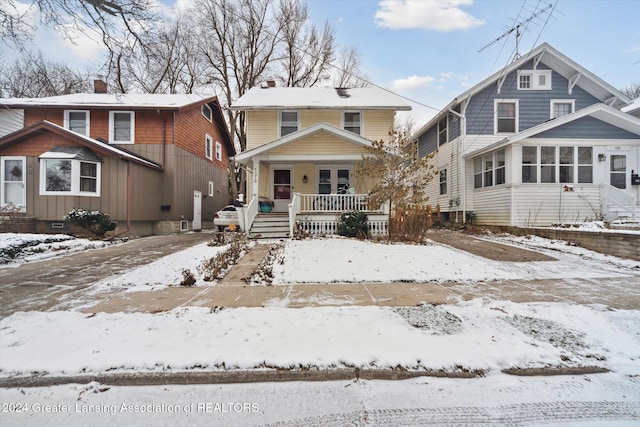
x=294 y=209
x=334 y=203
x=250 y=214
x=620 y=198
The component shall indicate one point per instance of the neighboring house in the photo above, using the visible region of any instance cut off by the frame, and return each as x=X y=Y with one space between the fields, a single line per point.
x=155 y=163
x=542 y=141
x=303 y=148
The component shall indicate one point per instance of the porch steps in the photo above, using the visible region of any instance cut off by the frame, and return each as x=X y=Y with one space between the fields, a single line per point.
x=270 y=226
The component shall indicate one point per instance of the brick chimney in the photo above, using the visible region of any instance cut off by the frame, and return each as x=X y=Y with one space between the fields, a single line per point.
x=99 y=86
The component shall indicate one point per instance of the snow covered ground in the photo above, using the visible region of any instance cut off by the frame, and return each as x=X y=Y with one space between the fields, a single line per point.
x=482 y=335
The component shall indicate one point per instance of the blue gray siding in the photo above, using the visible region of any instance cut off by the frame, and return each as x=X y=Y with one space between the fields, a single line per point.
x=428 y=142
x=534 y=105
x=588 y=128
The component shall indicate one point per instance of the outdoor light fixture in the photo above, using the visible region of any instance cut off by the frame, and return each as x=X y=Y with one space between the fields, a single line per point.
x=602 y=157
x=305 y=179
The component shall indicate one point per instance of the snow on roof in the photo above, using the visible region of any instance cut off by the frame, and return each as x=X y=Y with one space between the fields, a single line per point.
x=633 y=108
x=369 y=98
x=110 y=100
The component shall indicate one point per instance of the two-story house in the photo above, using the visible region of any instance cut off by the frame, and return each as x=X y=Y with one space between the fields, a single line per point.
x=540 y=142
x=303 y=147
x=155 y=163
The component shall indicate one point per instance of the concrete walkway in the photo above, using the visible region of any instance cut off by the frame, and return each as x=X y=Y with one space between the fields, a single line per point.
x=234 y=291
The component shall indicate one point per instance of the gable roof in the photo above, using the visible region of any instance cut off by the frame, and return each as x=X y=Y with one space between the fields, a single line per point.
x=97 y=146
x=558 y=62
x=111 y=101
x=633 y=108
x=346 y=135
x=325 y=98
x=601 y=112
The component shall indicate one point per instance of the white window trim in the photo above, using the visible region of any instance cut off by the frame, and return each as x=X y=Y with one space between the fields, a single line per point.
x=208 y=147
x=210 y=119
x=575 y=165
x=112 y=123
x=3 y=201
x=75 y=179
x=87 y=120
x=445 y=182
x=561 y=101
x=218 y=151
x=211 y=188
x=334 y=175
x=495 y=115
x=534 y=81
x=280 y=120
x=342 y=120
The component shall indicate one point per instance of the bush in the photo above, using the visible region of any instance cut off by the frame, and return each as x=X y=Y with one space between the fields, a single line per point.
x=96 y=222
x=353 y=224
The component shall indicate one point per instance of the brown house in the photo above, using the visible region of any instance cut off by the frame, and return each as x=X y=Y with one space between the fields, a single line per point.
x=155 y=163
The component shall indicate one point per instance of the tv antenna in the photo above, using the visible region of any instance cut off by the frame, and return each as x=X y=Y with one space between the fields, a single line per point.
x=516 y=29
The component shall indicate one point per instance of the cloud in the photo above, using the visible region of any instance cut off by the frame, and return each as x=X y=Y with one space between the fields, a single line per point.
x=442 y=15
x=412 y=82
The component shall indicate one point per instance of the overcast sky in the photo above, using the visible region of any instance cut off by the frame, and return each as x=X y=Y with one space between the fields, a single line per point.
x=427 y=50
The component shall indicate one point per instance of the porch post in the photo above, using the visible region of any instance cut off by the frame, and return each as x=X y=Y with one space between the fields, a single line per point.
x=256 y=177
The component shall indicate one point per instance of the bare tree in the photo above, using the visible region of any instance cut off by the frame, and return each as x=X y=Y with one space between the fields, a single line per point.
x=348 y=73
x=632 y=91
x=307 y=51
x=32 y=76
x=102 y=16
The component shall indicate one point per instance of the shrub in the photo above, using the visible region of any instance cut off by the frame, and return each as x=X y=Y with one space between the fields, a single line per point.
x=96 y=222
x=353 y=224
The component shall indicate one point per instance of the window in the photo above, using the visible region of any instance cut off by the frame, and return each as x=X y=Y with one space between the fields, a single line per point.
x=207 y=112
x=585 y=165
x=547 y=164
x=566 y=164
x=69 y=177
x=334 y=179
x=489 y=170
x=121 y=127
x=211 y=189
x=218 y=151
x=506 y=117
x=442 y=131
x=442 y=173
x=534 y=80
x=557 y=164
x=352 y=121
x=529 y=164
x=77 y=121
x=561 y=107
x=208 y=146
x=288 y=122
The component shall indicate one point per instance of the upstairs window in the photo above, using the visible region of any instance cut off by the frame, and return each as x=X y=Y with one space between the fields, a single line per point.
x=443 y=181
x=208 y=146
x=207 y=112
x=121 y=127
x=442 y=131
x=506 y=116
x=77 y=121
x=218 y=151
x=352 y=121
x=534 y=80
x=561 y=107
x=288 y=122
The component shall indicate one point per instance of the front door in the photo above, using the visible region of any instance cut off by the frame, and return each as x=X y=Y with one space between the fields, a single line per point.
x=13 y=181
x=618 y=170
x=282 y=190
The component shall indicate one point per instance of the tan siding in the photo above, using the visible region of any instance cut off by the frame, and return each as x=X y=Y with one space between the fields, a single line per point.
x=265 y=182
x=311 y=117
x=320 y=143
x=262 y=127
x=300 y=170
x=378 y=124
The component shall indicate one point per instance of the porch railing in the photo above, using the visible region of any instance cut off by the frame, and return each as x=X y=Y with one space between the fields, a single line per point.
x=325 y=226
x=623 y=200
x=294 y=210
x=250 y=214
x=333 y=202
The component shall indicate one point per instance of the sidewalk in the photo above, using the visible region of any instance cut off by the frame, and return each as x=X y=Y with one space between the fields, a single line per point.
x=233 y=291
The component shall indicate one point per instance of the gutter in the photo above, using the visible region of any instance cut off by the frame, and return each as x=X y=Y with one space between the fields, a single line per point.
x=462 y=173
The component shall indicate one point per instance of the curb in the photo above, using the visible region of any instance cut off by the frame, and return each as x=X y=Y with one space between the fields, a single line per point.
x=277 y=375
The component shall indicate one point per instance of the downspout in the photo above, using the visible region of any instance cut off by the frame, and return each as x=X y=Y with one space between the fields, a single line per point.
x=128 y=203
x=462 y=172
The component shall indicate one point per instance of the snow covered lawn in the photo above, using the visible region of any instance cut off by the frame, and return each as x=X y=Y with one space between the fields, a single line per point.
x=17 y=247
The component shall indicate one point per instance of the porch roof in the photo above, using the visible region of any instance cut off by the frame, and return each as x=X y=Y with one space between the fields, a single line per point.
x=246 y=157
x=601 y=112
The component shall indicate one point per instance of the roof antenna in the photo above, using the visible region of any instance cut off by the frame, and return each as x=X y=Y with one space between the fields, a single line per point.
x=516 y=28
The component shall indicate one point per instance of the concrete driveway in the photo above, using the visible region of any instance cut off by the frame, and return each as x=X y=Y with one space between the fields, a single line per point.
x=45 y=284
